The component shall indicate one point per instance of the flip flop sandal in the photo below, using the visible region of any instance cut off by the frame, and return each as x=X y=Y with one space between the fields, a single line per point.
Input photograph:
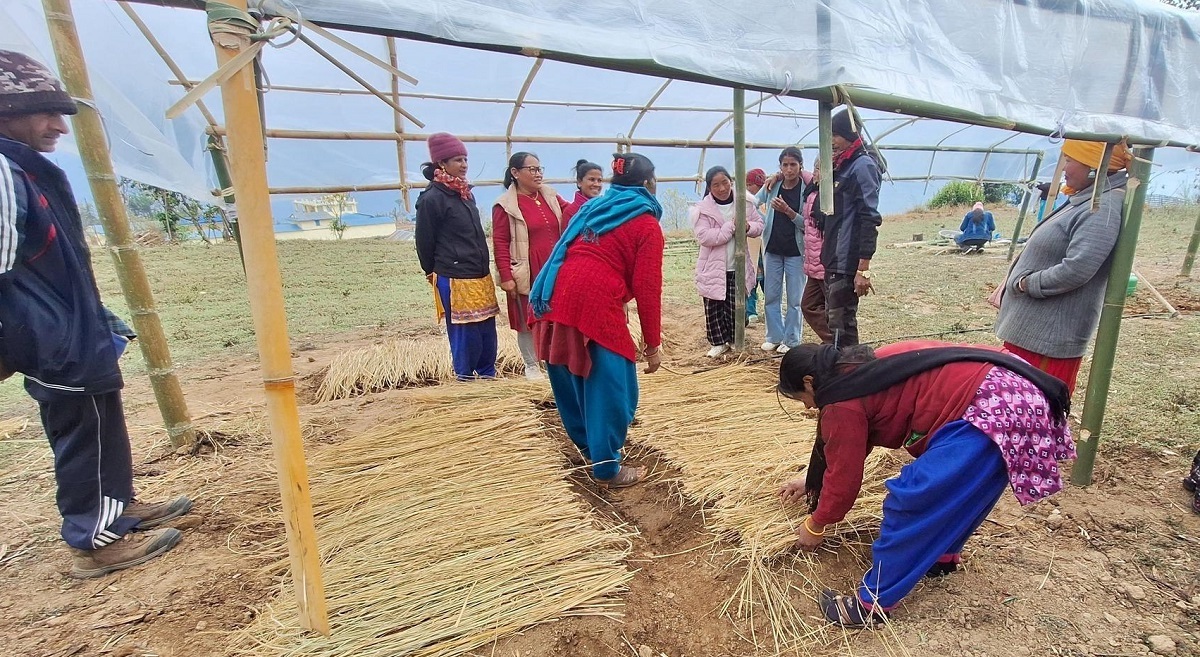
x=847 y=611
x=942 y=568
x=625 y=477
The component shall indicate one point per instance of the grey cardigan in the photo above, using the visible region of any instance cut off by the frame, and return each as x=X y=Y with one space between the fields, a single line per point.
x=1065 y=265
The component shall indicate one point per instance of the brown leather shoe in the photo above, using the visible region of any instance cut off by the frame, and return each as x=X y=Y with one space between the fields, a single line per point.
x=152 y=515
x=131 y=550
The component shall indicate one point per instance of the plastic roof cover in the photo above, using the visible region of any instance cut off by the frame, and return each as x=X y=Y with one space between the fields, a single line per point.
x=932 y=50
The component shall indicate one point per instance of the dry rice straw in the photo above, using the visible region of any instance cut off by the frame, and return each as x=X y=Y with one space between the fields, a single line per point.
x=734 y=448
x=446 y=531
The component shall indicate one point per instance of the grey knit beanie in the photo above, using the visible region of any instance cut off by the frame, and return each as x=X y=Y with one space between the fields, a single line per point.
x=28 y=87
x=842 y=127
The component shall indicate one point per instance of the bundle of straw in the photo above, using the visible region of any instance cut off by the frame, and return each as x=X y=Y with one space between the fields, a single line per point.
x=734 y=448
x=445 y=531
x=412 y=362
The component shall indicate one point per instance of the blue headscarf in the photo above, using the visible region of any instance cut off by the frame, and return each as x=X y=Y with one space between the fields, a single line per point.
x=598 y=216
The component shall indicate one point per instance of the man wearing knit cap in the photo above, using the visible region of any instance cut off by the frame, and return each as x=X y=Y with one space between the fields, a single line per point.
x=55 y=331
x=851 y=231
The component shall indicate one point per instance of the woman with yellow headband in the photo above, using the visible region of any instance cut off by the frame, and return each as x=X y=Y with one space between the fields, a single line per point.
x=1050 y=304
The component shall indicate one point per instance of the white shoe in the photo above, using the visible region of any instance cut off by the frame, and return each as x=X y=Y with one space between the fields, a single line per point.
x=752 y=319
x=534 y=374
x=769 y=346
x=783 y=349
x=718 y=350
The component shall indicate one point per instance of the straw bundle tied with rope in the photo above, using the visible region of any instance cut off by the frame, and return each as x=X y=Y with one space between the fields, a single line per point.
x=445 y=531
x=734 y=448
x=411 y=362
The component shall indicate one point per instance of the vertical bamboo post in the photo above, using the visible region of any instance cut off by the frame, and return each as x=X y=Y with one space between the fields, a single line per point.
x=1051 y=197
x=216 y=150
x=97 y=161
x=825 y=154
x=1037 y=166
x=398 y=123
x=739 y=208
x=247 y=161
x=1104 y=353
x=1190 y=259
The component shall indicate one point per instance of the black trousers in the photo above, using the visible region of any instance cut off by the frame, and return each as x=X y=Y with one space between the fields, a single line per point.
x=92 y=465
x=841 y=307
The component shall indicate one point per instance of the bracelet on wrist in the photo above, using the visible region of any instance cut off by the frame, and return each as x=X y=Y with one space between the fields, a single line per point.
x=809 y=528
x=651 y=352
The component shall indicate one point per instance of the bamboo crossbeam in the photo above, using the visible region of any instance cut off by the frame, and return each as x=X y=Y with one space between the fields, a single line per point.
x=394 y=186
x=247 y=159
x=340 y=135
x=92 y=143
x=1028 y=196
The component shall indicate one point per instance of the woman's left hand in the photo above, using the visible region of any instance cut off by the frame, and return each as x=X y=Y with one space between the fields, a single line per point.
x=806 y=540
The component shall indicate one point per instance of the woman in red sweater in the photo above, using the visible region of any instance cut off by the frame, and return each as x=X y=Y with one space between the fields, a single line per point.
x=527 y=220
x=610 y=254
x=589 y=178
x=977 y=420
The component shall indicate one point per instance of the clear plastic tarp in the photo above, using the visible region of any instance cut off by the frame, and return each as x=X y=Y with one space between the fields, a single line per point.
x=1108 y=67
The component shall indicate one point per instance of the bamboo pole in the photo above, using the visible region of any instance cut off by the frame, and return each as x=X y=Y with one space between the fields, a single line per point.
x=1012 y=246
x=1105 y=351
x=393 y=186
x=398 y=124
x=354 y=76
x=341 y=135
x=216 y=150
x=512 y=119
x=649 y=104
x=739 y=229
x=135 y=287
x=825 y=156
x=248 y=164
x=166 y=57
x=1190 y=259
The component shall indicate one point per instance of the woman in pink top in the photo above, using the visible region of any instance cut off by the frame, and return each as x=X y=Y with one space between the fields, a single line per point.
x=812 y=302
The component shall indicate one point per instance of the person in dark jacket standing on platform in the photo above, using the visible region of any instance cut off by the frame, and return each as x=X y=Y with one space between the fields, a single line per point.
x=452 y=249
x=55 y=330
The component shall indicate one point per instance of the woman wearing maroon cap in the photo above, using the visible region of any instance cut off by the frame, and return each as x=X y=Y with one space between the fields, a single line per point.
x=452 y=248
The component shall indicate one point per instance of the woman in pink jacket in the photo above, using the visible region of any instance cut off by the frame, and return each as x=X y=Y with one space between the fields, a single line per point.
x=812 y=303
x=713 y=222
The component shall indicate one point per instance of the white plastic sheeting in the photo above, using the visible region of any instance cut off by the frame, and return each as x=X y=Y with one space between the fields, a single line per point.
x=571 y=100
x=1099 y=66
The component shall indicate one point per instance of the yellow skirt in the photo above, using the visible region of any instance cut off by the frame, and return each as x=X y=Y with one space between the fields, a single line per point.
x=471 y=300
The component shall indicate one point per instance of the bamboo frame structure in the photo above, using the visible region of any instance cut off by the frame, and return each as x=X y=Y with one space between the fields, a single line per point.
x=1104 y=354
x=825 y=156
x=646 y=108
x=249 y=168
x=398 y=125
x=739 y=218
x=135 y=286
x=1037 y=166
x=512 y=119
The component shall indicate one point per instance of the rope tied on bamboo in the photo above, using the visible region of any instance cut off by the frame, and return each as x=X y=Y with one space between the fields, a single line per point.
x=227 y=19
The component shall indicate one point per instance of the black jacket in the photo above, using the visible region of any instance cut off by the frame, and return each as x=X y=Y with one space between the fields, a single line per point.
x=449 y=235
x=53 y=328
x=851 y=232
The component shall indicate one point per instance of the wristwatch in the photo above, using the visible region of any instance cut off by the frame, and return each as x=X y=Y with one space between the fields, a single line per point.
x=865 y=273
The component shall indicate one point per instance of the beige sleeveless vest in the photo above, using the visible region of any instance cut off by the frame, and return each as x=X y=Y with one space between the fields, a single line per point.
x=519 y=232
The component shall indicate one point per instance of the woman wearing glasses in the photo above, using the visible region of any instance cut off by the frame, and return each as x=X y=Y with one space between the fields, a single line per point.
x=527 y=221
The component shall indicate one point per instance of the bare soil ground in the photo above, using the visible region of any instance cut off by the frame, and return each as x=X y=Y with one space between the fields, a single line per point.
x=1095 y=571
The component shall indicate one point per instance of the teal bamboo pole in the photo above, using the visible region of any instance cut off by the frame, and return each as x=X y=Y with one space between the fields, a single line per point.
x=1012 y=247
x=825 y=155
x=1105 y=351
x=739 y=232
x=1190 y=258
x=216 y=149
x=102 y=178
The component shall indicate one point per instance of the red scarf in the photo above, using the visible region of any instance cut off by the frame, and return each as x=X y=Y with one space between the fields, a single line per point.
x=840 y=158
x=453 y=182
